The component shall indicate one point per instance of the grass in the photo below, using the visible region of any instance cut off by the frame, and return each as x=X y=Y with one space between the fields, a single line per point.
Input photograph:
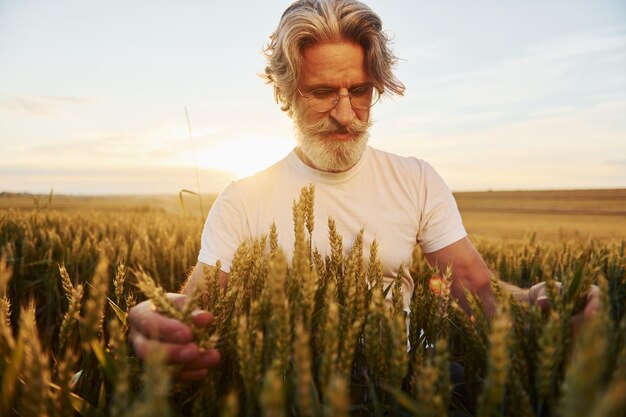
x=309 y=337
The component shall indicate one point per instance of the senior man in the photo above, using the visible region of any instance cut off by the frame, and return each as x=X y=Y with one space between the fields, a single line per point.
x=329 y=62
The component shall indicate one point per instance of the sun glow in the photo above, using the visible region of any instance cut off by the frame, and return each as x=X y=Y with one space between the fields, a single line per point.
x=245 y=156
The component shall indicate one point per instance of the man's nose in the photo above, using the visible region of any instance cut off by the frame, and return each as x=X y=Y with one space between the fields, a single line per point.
x=343 y=112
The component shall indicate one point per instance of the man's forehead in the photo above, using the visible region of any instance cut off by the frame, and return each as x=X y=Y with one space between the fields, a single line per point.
x=336 y=64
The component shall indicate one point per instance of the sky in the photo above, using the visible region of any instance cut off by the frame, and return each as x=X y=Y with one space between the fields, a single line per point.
x=500 y=95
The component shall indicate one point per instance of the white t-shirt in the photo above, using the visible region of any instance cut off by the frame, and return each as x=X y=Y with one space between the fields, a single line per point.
x=398 y=201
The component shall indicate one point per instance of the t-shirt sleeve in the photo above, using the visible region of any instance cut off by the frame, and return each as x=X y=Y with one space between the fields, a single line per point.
x=224 y=229
x=440 y=223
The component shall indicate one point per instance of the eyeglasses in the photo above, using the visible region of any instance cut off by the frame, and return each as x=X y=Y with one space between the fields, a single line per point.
x=322 y=100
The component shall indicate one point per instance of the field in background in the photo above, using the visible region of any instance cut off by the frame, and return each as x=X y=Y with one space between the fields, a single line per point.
x=165 y=203
x=552 y=215
x=509 y=215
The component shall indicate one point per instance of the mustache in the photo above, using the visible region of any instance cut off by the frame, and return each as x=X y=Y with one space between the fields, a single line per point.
x=330 y=126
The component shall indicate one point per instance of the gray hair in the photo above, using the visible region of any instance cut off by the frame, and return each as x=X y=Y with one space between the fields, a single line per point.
x=308 y=22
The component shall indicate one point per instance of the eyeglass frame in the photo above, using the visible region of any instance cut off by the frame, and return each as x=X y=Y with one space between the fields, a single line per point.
x=338 y=97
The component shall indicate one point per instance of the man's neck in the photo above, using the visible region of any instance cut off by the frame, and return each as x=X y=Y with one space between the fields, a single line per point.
x=310 y=163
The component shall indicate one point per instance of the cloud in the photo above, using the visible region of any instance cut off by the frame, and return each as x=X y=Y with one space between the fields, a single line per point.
x=619 y=164
x=158 y=145
x=40 y=106
x=425 y=51
x=580 y=45
x=69 y=99
x=568 y=71
x=165 y=146
x=569 y=148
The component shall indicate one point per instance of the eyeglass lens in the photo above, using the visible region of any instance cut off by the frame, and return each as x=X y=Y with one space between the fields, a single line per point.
x=325 y=99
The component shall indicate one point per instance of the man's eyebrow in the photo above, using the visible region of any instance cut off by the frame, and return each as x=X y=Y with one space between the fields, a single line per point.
x=317 y=86
x=310 y=88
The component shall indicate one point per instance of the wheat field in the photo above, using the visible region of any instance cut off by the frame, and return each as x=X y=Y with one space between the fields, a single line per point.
x=310 y=337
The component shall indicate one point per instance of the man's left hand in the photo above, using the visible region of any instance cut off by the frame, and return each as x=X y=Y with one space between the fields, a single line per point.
x=537 y=294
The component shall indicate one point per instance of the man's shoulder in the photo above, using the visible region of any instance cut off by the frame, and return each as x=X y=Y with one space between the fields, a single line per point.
x=409 y=172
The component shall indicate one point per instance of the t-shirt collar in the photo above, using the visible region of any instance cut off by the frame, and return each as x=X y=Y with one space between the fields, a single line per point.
x=328 y=177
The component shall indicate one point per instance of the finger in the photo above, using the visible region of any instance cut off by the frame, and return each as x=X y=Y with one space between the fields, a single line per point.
x=202 y=318
x=199 y=367
x=537 y=292
x=178 y=299
x=543 y=302
x=175 y=353
x=592 y=307
x=204 y=360
x=190 y=376
x=577 y=322
x=151 y=324
x=593 y=302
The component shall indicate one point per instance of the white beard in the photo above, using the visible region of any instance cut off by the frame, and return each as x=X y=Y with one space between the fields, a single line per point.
x=327 y=154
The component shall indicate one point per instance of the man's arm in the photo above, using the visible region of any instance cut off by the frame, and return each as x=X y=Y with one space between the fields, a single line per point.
x=469 y=271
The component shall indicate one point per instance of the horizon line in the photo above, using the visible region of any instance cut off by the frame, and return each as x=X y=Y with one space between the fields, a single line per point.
x=4 y=193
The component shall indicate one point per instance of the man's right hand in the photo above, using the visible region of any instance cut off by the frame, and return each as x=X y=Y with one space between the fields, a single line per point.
x=147 y=328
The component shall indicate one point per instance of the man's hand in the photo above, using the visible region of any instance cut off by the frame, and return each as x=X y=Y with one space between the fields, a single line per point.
x=147 y=328
x=537 y=294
